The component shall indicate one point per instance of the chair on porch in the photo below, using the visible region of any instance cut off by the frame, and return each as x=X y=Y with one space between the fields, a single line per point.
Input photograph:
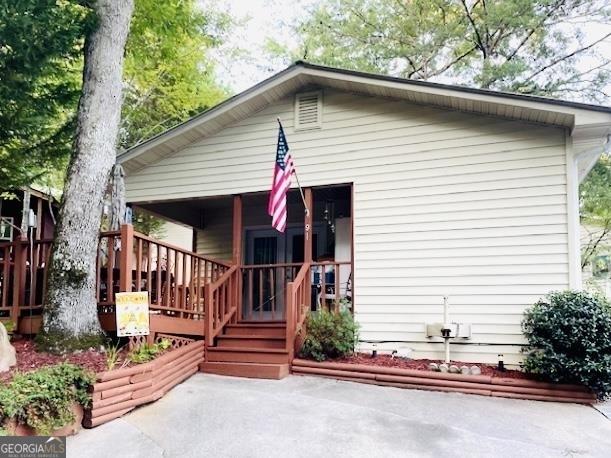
x=330 y=294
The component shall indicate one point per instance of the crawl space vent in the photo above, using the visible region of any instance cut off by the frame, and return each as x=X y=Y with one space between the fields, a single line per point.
x=308 y=110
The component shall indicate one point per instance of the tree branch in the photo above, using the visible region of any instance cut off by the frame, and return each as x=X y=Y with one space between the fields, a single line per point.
x=531 y=32
x=480 y=43
x=566 y=57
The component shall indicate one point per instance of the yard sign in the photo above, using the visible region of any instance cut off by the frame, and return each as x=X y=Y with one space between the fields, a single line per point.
x=132 y=313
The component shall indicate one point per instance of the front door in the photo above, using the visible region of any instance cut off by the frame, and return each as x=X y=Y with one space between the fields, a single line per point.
x=272 y=260
x=263 y=284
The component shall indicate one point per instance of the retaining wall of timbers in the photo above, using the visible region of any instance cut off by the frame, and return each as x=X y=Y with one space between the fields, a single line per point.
x=484 y=385
x=116 y=392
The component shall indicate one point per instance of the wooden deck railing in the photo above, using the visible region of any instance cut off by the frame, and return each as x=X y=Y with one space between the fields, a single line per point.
x=264 y=290
x=297 y=305
x=181 y=284
x=126 y=261
x=333 y=281
x=23 y=273
x=222 y=301
x=174 y=277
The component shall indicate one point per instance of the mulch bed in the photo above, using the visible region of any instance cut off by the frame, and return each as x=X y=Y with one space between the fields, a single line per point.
x=423 y=364
x=29 y=359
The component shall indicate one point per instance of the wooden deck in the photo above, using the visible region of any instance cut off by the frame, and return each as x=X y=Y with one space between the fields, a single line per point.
x=248 y=316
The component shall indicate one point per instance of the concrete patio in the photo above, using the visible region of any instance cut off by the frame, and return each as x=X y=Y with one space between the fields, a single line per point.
x=304 y=416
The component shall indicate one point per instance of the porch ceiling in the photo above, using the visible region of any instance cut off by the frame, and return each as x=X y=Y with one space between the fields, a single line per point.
x=196 y=212
x=191 y=212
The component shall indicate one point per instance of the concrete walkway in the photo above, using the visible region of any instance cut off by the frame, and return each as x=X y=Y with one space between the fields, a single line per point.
x=305 y=416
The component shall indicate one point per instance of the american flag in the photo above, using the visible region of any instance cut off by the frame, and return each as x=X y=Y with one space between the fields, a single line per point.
x=283 y=170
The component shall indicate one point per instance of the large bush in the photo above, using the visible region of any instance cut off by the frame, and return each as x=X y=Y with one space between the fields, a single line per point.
x=329 y=335
x=569 y=336
x=42 y=399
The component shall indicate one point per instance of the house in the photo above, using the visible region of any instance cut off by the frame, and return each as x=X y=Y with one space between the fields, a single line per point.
x=27 y=200
x=417 y=191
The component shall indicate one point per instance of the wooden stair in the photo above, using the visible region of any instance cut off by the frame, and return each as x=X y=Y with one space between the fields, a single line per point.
x=249 y=349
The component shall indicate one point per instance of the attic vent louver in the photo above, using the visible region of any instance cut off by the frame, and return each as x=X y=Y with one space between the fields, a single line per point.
x=308 y=110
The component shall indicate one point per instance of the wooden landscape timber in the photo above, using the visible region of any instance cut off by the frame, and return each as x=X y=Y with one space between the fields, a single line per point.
x=116 y=392
x=483 y=385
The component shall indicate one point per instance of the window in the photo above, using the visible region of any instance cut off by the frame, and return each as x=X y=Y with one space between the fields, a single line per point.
x=6 y=228
x=308 y=110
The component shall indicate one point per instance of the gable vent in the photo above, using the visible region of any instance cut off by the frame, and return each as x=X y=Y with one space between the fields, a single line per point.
x=308 y=110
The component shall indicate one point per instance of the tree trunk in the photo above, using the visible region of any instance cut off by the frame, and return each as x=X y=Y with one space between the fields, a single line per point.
x=70 y=313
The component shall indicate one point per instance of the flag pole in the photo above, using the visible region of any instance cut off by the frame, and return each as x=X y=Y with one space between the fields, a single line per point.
x=305 y=205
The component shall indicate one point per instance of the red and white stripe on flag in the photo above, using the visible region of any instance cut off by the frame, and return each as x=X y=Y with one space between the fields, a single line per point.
x=283 y=170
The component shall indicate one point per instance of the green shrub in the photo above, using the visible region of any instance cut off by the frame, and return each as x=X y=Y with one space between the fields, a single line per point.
x=569 y=336
x=43 y=399
x=145 y=352
x=329 y=335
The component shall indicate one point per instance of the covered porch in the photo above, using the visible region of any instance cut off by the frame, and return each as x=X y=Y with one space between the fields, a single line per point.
x=237 y=230
x=244 y=289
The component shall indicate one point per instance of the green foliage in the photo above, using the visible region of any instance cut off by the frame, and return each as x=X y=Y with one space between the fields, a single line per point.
x=329 y=335
x=147 y=224
x=527 y=46
x=42 y=399
x=167 y=75
x=569 y=336
x=595 y=209
x=40 y=62
x=112 y=356
x=9 y=326
x=145 y=352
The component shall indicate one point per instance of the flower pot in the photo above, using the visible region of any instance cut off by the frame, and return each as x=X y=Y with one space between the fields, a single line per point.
x=15 y=429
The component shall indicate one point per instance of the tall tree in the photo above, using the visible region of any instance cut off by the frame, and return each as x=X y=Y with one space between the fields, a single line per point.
x=168 y=75
x=40 y=68
x=526 y=46
x=70 y=314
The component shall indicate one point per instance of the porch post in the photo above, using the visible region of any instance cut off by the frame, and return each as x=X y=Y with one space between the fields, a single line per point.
x=237 y=253
x=307 y=229
x=308 y=239
x=237 y=229
x=126 y=260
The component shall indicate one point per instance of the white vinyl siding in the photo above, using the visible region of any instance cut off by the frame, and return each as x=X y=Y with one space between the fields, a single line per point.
x=445 y=202
x=215 y=239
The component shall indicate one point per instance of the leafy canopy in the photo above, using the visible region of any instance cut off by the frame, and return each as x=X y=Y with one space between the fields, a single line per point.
x=168 y=77
x=526 y=46
x=40 y=80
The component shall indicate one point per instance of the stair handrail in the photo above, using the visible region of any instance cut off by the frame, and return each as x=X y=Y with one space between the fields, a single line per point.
x=180 y=249
x=221 y=303
x=297 y=306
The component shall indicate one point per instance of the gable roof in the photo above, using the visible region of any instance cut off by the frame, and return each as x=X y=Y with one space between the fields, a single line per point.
x=595 y=120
